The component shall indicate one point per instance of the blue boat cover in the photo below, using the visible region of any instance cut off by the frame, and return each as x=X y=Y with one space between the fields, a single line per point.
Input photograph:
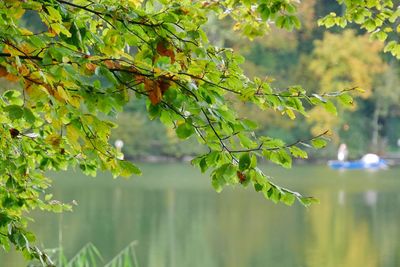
x=357 y=164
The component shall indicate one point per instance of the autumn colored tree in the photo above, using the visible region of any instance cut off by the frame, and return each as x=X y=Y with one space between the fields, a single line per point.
x=343 y=60
x=89 y=58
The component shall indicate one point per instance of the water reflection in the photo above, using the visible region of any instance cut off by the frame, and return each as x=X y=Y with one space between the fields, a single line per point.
x=179 y=221
x=370 y=197
x=341 y=197
x=341 y=236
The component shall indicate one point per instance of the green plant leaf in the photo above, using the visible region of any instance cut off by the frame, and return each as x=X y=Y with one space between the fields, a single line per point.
x=318 y=143
x=128 y=168
x=14 y=112
x=184 y=131
x=244 y=161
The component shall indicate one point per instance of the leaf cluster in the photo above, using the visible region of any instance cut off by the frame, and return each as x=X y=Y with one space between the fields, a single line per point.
x=379 y=18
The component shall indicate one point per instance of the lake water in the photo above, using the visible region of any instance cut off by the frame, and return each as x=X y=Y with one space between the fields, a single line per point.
x=179 y=221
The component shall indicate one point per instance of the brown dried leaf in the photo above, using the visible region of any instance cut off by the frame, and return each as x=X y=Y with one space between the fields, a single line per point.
x=164 y=49
x=3 y=71
x=154 y=91
x=110 y=64
x=164 y=85
x=241 y=176
x=90 y=67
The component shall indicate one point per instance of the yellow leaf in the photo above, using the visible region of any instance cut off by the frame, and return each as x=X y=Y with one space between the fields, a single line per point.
x=54 y=140
x=73 y=136
x=88 y=119
x=290 y=113
x=55 y=28
x=54 y=14
x=35 y=92
x=135 y=3
x=236 y=26
x=62 y=93
x=23 y=70
x=18 y=12
x=25 y=31
x=75 y=101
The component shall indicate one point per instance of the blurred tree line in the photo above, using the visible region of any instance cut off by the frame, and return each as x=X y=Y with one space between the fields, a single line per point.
x=321 y=61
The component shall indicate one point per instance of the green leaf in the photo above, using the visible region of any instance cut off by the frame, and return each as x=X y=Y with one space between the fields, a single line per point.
x=369 y=25
x=280 y=157
x=272 y=142
x=346 y=99
x=288 y=198
x=216 y=184
x=184 y=130
x=323 y=100
x=245 y=141
x=244 y=161
x=54 y=14
x=226 y=173
x=258 y=187
x=249 y=124
x=330 y=107
x=296 y=22
x=87 y=169
x=14 y=112
x=213 y=158
x=379 y=35
x=203 y=165
x=307 y=201
x=128 y=168
x=297 y=152
x=273 y=194
x=290 y=8
x=28 y=115
x=253 y=163
x=229 y=174
x=264 y=11
x=11 y=94
x=318 y=143
x=342 y=22
x=280 y=21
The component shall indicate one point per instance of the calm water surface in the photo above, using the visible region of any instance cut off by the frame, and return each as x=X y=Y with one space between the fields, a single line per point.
x=179 y=221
